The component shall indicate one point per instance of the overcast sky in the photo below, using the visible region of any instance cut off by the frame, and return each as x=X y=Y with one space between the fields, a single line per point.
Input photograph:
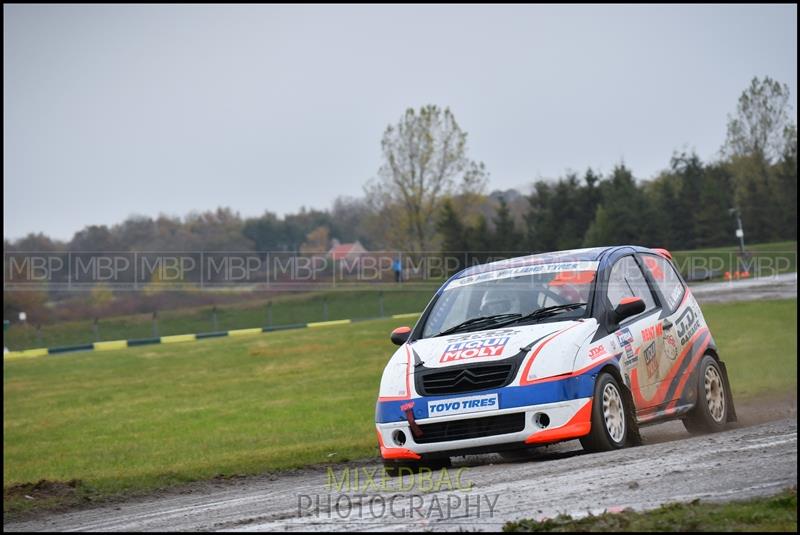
x=116 y=110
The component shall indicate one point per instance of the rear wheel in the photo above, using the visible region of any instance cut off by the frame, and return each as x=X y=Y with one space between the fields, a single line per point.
x=711 y=410
x=610 y=424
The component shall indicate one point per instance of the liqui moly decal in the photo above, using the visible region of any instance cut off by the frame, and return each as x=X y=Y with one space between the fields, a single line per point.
x=470 y=349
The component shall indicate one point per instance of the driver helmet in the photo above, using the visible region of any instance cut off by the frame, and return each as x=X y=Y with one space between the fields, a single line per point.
x=500 y=302
x=570 y=294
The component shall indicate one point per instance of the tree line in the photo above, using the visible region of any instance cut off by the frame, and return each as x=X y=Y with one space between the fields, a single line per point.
x=428 y=195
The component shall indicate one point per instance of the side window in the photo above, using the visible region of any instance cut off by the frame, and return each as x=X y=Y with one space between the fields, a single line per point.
x=667 y=280
x=627 y=280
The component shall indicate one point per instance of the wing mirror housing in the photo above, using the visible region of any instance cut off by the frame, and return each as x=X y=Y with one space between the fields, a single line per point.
x=627 y=307
x=400 y=335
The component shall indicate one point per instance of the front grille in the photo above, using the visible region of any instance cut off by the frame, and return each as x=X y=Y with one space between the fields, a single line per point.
x=471 y=428
x=470 y=379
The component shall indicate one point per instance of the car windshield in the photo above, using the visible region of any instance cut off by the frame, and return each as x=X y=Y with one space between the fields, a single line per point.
x=482 y=301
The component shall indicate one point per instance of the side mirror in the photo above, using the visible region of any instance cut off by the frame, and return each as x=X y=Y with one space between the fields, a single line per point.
x=627 y=307
x=400 y=335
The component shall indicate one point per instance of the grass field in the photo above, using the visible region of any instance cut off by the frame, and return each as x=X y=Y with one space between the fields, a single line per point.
x=153 y=416
x=758 y=342
x=286 y=310
x=776 y=513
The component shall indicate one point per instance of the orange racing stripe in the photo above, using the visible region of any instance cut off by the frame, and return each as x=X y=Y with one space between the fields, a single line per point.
x=579 y=425
x=682 y=384
x=395 y=453
x=665 y=383
x=524 y=378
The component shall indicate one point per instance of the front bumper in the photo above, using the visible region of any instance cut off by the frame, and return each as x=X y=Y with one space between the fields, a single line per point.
x=565 y=420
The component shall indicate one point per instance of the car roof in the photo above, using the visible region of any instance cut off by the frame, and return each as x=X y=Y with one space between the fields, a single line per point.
x=592 y=254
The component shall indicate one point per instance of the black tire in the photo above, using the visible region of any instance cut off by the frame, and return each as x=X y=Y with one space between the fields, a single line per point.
x=711 y=409
x=600 y=438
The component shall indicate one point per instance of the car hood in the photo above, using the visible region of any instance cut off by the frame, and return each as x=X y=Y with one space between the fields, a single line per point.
x=563 y=338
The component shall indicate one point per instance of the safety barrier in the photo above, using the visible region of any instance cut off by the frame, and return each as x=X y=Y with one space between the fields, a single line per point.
x=182 y=338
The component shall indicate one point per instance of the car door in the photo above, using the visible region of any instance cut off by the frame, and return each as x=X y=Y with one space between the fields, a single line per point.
x=635 y=335
x=681 y=321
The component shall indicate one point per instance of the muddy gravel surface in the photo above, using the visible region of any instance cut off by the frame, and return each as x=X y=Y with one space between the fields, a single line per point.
x=477 y=492
x=777 y=287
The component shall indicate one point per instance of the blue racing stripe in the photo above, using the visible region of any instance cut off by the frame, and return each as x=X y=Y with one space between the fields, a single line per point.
x=575 y=387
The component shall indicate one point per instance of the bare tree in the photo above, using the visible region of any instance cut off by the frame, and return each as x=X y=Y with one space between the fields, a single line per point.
x=424 y=162
x=762 y=125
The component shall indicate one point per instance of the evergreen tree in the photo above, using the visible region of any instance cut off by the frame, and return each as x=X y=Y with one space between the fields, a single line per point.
x=662 y=197
x=619 y=218
x=689 y=171
x=785 y=193
x=479 y=241
x=753 y=196
x=540 y=221
x=452 y=231
x=713 y=225
x=566 y=199
x=589 y=201
x=507 y=240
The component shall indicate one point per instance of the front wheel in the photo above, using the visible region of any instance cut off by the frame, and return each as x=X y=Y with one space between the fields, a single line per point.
x=610 y=426
x=711 y=410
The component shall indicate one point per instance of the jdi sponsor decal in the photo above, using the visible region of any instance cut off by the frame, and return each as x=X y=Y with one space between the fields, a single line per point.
x=470 y=349
x=688 y=324
x=463 y=405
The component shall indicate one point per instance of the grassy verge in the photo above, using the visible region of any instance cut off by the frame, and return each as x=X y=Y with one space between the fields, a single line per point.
x=776 y=513
x=285 y=310
x=149 y=417
x=155 y=416
x=758 y=342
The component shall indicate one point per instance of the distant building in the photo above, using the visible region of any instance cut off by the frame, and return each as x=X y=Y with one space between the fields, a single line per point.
x=341 y=251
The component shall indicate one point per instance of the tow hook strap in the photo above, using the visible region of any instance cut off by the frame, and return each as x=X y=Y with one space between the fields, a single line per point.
x=408 y=408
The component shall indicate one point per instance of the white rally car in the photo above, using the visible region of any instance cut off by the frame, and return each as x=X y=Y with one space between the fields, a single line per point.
x=585 y=344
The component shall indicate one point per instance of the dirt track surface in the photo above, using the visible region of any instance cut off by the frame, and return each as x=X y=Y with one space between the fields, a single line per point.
x=742 y=462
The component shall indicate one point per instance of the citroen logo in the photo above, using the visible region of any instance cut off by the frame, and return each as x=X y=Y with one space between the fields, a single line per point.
x=466 y=376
